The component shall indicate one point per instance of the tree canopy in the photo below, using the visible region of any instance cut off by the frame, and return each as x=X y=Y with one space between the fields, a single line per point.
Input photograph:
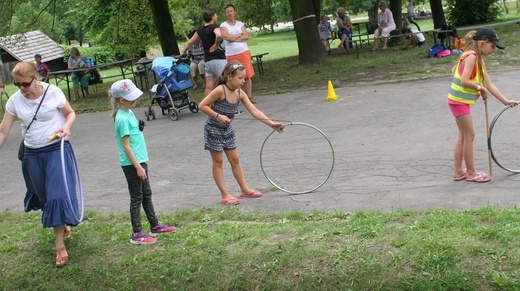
x=127 y=26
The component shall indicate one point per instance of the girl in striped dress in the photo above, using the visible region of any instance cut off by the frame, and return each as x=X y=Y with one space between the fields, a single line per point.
x=219 y=136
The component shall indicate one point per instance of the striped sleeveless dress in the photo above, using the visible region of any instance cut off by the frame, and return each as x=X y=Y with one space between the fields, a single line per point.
x=221 y=136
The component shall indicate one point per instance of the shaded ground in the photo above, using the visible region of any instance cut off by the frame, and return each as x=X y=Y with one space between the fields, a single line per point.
x=400 y=72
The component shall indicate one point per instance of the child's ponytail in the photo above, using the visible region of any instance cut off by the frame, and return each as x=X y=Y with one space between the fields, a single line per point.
x=115 y=105
x=221 y=79
x=474 y=47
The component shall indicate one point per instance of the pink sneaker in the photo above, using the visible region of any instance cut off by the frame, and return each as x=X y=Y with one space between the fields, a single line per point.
x=161 y=228
x=141 y=238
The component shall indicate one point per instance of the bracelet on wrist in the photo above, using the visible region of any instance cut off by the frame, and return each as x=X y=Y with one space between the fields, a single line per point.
x=216 y=116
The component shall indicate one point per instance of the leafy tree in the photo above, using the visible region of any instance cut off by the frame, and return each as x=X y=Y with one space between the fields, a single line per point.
x=126 y=27
x=370 y=6
x=304 y=14
x=164 y=26
x=40 y=21
x=482 y=11
x=256 y=13
x=7 y=9
x=437 y=13
x=282 y=10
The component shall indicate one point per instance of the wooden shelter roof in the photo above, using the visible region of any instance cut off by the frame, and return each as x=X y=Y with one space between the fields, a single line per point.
x=23 y=47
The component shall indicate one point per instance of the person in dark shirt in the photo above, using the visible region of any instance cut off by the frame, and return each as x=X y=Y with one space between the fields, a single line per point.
x=214 y=55
x=43 y=69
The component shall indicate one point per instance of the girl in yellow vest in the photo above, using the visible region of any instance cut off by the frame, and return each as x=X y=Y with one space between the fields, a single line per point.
x=469 y=82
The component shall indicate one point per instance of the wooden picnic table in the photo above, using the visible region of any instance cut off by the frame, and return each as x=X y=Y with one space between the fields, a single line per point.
x=144 y=73
x=125 y=67
x=259 y=63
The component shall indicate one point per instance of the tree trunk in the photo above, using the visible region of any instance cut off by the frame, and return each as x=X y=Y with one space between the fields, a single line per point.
x=437 y=13
x=395 y=7
x=164 y=26
x=372 y=14
x=304 y=16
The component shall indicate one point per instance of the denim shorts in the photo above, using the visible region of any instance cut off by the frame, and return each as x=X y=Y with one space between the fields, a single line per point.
x=213 y=68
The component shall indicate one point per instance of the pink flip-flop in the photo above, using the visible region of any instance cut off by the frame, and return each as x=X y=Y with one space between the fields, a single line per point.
x=230 y=201
x=480 y=177
x=461 y=177
x=252 y=194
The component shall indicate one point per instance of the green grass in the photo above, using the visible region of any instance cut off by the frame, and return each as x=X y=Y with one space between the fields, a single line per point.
x=226 y=249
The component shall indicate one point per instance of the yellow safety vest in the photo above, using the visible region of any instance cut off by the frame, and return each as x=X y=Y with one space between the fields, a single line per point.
x=463 y=94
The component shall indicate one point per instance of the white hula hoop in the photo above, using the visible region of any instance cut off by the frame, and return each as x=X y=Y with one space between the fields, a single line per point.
x=64 y=174
x=304 y=191
x=489 y=141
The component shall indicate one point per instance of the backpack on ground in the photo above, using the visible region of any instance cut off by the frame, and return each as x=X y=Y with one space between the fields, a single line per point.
x=95 y=77
x=444 y=53
x=460 y=43
x=435 y=49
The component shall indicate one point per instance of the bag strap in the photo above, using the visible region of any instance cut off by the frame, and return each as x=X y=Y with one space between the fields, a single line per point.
x=37 y=109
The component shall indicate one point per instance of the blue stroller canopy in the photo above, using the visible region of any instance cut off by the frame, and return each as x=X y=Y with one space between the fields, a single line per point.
x=174 y=76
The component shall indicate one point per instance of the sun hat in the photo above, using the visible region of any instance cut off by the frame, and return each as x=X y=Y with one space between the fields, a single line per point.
x=489 y=34
x=340 y=10
x=125 y=89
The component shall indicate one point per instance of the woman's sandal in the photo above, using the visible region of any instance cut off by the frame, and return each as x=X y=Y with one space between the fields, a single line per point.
x=480 y=177
x=61 y=259
x=67 y=233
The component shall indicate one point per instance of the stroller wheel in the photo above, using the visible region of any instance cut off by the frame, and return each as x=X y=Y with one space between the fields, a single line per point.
x=153 y=114
x=147 y=115
x=194 y=107
x=174 y=114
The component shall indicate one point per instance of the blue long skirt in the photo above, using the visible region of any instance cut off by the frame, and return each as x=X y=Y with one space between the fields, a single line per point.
x=45 y=187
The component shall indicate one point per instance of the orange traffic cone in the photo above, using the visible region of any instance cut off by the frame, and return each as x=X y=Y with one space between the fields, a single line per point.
x=331 y=95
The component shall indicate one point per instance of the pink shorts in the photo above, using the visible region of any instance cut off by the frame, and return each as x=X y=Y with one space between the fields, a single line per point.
x=458 y=108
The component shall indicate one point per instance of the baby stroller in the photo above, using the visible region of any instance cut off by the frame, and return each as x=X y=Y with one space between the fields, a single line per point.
x=171 y=94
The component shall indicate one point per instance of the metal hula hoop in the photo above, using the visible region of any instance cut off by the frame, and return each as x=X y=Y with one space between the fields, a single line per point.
x=489 y=141
x=305 y=191
x=64 y=174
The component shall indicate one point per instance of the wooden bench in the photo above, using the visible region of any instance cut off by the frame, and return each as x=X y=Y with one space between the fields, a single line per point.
x=370 y=27
x=393 y=35
x=258 y=59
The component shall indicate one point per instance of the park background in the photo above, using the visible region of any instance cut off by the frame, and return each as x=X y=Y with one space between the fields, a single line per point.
x=228 y=249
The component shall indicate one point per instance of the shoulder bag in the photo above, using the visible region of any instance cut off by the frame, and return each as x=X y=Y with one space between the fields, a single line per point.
x=21 y=149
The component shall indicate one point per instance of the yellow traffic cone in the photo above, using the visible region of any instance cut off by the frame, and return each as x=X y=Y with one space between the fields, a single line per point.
x=331 y=95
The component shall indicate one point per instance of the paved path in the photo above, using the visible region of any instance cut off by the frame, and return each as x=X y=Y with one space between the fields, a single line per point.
x=393 y=145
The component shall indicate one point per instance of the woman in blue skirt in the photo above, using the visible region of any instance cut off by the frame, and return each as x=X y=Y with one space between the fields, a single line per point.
x=44 y=112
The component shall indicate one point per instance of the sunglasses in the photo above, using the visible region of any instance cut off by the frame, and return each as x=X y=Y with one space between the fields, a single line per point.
x=24 y=84
x=235 y=67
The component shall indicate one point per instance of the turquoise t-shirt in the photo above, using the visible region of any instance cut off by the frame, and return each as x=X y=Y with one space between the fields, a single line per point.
x=127 y=125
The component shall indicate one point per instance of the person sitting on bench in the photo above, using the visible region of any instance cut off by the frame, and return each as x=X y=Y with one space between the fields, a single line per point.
x=345 y=28
x=386 y=23
x=324 y=28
